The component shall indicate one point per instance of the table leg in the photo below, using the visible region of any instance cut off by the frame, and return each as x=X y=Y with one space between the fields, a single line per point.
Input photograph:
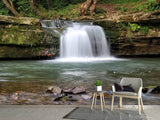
x=101 y=101
x=93 y=101
x=104 y=101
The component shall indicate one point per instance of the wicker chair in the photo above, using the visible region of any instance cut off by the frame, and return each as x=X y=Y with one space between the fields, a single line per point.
x=136 y=84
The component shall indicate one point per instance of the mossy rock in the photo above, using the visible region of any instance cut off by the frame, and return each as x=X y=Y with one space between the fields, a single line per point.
x=15 y=34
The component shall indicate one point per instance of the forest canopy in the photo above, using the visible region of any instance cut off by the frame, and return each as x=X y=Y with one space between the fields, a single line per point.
x=30 y=8
x=53 y=9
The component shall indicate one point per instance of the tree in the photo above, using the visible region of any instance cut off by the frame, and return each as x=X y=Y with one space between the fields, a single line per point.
x=10 y=6
x=49 y=3
x=88 y=5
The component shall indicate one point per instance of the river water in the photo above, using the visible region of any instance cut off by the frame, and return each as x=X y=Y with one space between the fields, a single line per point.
x=35 y=76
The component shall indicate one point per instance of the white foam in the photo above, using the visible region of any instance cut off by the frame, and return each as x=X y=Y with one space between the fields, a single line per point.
x=91 y=59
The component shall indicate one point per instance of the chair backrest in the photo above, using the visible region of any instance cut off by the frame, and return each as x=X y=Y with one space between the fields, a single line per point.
x=136 y=83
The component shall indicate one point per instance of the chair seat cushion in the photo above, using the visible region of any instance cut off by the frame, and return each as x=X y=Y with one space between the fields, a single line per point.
x=127 y=88
x=118 y=87
x=125 y=93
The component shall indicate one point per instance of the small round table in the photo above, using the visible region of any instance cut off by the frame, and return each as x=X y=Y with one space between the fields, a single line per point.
x=94 y=99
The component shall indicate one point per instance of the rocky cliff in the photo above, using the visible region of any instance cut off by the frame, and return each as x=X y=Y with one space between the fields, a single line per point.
x=130 y=35
x=23 y=38
x=134 y=35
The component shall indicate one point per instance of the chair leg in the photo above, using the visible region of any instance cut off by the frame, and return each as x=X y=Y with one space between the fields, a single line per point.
x=142 y=104
x=112 y=102
x=139 y=109
x=120 y=102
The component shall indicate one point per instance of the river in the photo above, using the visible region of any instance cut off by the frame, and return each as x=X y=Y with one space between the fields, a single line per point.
x=37 y=75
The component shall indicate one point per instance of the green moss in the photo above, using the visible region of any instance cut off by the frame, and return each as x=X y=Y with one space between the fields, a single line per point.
x=14 y=34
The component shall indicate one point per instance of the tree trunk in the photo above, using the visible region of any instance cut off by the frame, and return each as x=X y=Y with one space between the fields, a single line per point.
x=10 y=6
x=88 y=5
x=49 y=3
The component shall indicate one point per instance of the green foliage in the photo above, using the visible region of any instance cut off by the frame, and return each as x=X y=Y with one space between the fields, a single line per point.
x=70 y=8
x=98 y=83
x=144 y=30
x=122 y=26
x=60 y=4
x=3 y=9
x=68 y=12
x=133 y=6
x=10 y=40
x=24 y=7
x=134 y=27
x=152 y=5
x=118 y=1
x=124 y=9
x=118 y=7
x=75 y=1
x=137 y=8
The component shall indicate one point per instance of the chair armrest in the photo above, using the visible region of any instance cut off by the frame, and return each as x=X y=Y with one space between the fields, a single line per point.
x=140 y=92
x=113 y=89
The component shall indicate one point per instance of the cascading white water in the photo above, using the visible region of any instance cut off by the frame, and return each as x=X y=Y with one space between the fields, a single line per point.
x=79 y=41
x=83 y=41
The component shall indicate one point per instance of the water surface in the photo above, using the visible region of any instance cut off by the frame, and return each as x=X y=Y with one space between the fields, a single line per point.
x=33 y=76
x=81 y=72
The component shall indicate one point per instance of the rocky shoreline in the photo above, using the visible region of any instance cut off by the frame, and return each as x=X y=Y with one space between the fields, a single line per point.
x=55 y=95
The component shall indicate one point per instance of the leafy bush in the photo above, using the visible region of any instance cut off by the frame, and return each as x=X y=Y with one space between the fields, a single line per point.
x=24 y=8
x=76 y=1
x=144 y=30
x=134 y=27
x=3 y=9
x=118 y=1
x=137 y=8
x=152 y=5
x=124 y=9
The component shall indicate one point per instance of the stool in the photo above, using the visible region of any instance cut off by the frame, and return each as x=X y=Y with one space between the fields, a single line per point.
x=94 y=99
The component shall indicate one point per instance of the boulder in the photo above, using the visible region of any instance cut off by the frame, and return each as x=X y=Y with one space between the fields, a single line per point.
x=75 y=90
x=156 y=90
x=54 y=89
x=145 y=90
x=86 y=97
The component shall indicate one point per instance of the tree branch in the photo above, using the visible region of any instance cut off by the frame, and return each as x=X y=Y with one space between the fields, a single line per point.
x=10 y=6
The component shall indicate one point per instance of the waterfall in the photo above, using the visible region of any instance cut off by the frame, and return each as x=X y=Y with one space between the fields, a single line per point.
x=55 y=27
x=83 y=41
x=78 y=40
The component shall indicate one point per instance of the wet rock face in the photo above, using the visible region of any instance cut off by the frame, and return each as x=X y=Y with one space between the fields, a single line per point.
x=140 y=47
x=23 y=38
x=133 y=39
